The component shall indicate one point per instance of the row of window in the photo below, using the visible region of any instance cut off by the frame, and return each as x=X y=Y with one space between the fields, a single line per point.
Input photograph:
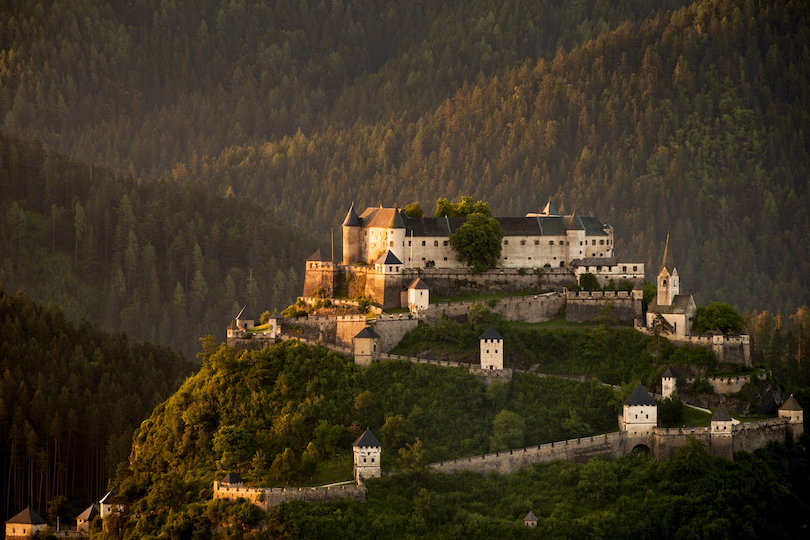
x=550 y=242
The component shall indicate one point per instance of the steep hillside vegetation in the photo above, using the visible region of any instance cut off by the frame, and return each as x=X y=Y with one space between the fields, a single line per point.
x=277 y=415
x=163 y=260
x=70 y=397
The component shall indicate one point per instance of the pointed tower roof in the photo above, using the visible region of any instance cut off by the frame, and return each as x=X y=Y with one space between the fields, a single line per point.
x=721 y=414
x=107 y=498
x=640 y=396
x=89 y=513
x=388 y=258
x=351 y=218
x=667 y=260
x=530 y=517
x=717 y=332
x=670 y=374
x=549 y=209
x=367 y=439
x=232 y=478
x=27 y=517
x=318 y=257
x=491 y=333
x=791 y=405
x=575 y=223
x=367 y=332
x=418 y=284
x=245 y=314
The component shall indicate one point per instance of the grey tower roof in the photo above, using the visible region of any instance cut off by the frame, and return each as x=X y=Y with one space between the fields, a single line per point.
x=388 y=258
x=530 y=517
x=670 y=373
x=318 y=257
x=418 y=284
x=575 y=223
x=791 y=405
x=27 y=517
x=367 y=439
x=491 y=333
x=367 y=332
x=351 y=218
x=232 y=478
x=107 y=498
x=245 y=314
x=640 y=396
x=89 y=513
x=721 y=414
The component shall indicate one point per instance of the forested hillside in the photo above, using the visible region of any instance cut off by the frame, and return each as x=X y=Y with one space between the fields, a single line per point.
x=684 y=117
x=163 y=260
x=70 y=397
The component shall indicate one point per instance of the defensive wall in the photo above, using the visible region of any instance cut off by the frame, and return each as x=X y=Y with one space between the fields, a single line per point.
x=529 y=309
x=727 y=348
x=339 y=302
x=587 y=306
x=266 y=498
x=662 y=442
x=340 y=330
x=449 y=281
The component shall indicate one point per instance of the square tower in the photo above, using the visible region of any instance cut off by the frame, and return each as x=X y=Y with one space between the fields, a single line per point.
x=367 y=451
x=640 y=414
x=366 y=346
x=491 y=349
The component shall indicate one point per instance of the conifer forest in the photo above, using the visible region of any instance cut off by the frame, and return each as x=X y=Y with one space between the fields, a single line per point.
x=165 y=163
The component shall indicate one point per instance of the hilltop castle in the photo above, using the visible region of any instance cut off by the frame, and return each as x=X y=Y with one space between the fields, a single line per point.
x=384 y=251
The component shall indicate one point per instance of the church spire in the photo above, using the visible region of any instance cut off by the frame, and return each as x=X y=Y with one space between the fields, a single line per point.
x=667 y=261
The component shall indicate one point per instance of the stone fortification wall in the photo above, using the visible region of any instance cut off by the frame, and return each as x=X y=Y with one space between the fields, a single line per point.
x=392 y=328
x=489 y=375
x=725 y=385
x=256 y=343
x=733 y=349
x=313 y=328
x=272 y=497
x=749 y=436
x=347 y=327
x=446 y=281
x=574 y=450
x=320 y=277
x=586 y=306
x=666 y=440
x=530 y=309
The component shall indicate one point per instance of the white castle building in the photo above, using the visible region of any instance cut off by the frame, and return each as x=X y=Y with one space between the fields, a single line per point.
x=536 y=240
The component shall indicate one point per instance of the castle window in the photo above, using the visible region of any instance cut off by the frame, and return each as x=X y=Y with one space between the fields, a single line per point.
x=523 y=242
x=601 y=242
x=624 y=269
x=391 y=244
x=423 y=245
x=562 y=263
x=445 y=242
x=551 y=243
x=598 y=268
x=506 y=242
x=593 y=242
x=635 y=269
x=580 y=245
x=561 y=242
x=445 y=258
x=435 y=243
x=409 y=242
x=530 y=258
x=372 y=460
x=537 y=242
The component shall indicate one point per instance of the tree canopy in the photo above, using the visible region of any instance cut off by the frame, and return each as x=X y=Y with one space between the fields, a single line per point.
x=717 y=315
x=477 y=242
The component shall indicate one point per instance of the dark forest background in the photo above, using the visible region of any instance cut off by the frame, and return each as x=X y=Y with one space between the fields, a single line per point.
x=163 y=164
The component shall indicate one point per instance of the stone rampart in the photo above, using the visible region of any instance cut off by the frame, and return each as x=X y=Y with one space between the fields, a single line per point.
x=510 y=461
x=666 y=440
x=529 y=309
x=748 y=436
x=348 y=326
x=314 y=328
x=392 y=328
x=449 y=281
x=255 y=343
x=725 y=385
x=266 y=498
x=587 y=306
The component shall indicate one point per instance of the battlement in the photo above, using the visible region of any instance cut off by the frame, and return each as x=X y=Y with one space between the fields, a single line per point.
x=267 y=498
x=599 y=294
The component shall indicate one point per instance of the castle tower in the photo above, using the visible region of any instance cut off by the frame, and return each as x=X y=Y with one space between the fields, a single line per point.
x=352 y=237
x=640 y=413
x=721 y=433
x=418 y=296
x=366 y=457
x=366 y=346
x=575 y=238
x=793 y=412
x=718 y=340
x=668 y=385
x=530 y=520
x=668 y=279
x=491 y=349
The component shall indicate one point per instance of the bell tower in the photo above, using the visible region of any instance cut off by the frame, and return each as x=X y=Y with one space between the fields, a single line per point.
x=668 y=279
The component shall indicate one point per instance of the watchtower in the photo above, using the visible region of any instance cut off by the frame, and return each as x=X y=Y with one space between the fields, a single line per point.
x=491 y=349
x=367 y=451
x=366 y=346
x=793 y=412
x=668 y=382
x=640 y=414
x=721 y=432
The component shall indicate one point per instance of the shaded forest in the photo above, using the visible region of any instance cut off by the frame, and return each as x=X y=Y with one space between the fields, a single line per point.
x=163 y=260
x=70 y=397
x=682 y=117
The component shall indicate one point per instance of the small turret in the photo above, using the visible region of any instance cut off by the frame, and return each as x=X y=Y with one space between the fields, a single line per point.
x=367 y=451
x=793 y=412
x=640 y=413
x=668 y=382
x=491 y=343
